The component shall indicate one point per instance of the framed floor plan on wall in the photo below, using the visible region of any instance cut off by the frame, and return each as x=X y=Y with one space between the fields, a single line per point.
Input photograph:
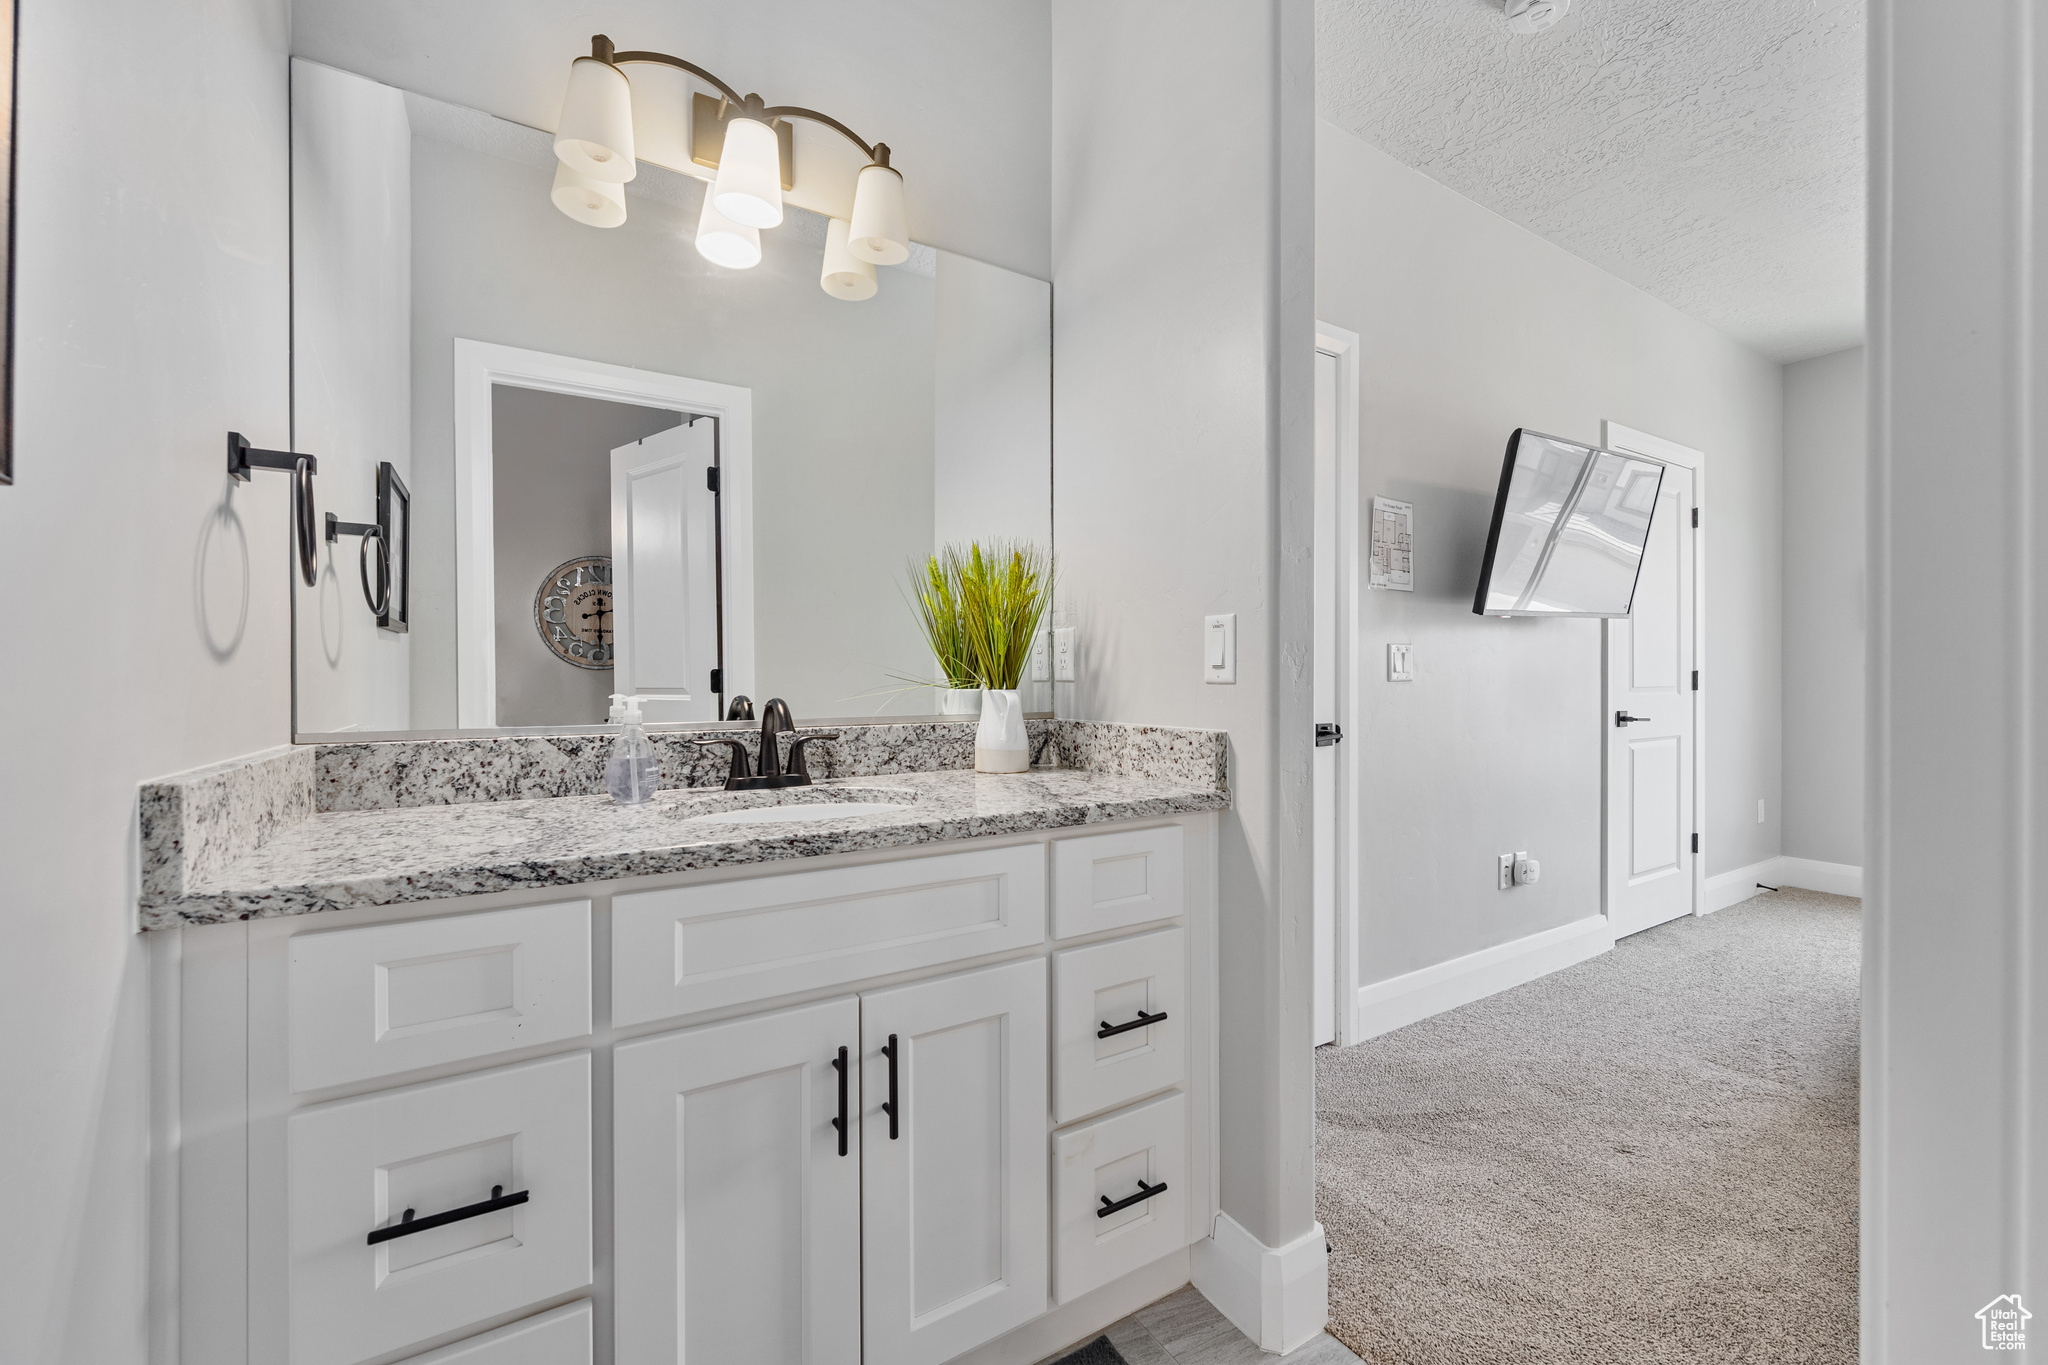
x=1393 y=545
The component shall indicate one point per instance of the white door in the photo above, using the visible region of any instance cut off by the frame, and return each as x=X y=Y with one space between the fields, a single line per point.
x=736 y=1202
x=1324 y=776
x=1650 y=724
x=954 y=1157
x=665 y=571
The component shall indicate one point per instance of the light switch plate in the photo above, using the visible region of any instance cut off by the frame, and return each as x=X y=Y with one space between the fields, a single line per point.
x=1219 y=648
x=1400 y=663
x=1041 y=657
x=1063 y=654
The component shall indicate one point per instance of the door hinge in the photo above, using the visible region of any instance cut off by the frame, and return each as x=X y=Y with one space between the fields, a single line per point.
x=711 y=478
x=1695 y=680
x=1695 y=518
x=718 y=681
x=1695 y=843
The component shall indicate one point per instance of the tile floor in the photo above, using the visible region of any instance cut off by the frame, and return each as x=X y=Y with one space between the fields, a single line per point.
x=1185 y=1329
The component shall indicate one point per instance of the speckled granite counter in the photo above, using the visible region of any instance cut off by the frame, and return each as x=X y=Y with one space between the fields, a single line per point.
x=231 y=843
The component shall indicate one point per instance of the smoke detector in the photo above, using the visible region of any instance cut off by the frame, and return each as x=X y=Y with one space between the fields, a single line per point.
x=1533 y=16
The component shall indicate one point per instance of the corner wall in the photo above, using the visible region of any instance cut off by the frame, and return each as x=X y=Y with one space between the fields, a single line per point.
x=1469 y=327
x=1182 y=273
x=1825 y=588
x=1955 y=940
x=151 y=633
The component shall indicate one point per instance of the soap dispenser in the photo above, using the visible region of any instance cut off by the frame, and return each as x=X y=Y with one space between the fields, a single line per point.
x=633 y=771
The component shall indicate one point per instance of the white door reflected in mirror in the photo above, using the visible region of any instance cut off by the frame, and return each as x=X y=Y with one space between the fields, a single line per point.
x=665 y=571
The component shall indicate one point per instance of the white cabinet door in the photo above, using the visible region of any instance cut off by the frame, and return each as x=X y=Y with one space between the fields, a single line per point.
x=954 y=1165
x=737 y=1204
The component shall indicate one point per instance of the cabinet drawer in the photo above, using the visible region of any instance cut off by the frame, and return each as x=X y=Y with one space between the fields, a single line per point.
x=386 y=998
x=699 y=947
x=355 y=1166
x=558 y=1337
x=1112 y=881
x=1107 y=1160
x=1106 y=986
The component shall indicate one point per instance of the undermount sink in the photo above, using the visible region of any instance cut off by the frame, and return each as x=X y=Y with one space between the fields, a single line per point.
x=783 y=815
x=794 y=805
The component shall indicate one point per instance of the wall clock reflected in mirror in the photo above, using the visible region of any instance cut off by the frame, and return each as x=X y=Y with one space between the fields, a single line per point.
x=573 y=612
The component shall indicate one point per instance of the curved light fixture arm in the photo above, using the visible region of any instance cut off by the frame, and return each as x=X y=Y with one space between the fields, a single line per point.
x=601 y=48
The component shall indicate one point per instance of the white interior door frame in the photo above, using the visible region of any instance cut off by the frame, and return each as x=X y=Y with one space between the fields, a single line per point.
x=1344 y=345
x=478 y=366
x=1615 y=436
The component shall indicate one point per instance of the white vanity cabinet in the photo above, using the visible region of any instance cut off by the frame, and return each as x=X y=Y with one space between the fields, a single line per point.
x=864 y=1109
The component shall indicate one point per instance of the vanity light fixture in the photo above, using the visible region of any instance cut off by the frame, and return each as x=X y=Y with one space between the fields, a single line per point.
x=600 y=203
x=721 y=241
x=594 y=142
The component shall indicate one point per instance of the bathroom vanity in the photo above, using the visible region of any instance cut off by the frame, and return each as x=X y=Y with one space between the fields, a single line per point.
x=464 y=1062
x=911 y=1066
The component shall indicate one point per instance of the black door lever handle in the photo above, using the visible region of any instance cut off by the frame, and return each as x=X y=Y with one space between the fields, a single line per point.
x=1624 y=718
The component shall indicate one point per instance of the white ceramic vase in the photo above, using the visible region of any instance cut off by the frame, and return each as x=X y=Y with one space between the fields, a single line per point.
x=1000 y=744
x=960 y=701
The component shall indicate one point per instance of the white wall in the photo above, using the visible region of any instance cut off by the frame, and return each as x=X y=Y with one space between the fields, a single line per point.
x=150 y=320
x=1955 y=978
x=958 y=92
x=1825 y=638
x=1470 y=327
x=1182 y=410
x=351 y=379
x=992 y=402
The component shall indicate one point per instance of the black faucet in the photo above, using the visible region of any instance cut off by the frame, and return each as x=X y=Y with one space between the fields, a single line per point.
x=775 y=721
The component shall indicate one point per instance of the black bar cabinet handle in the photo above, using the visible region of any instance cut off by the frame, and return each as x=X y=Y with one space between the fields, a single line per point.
x=892 y=1107
x=1109 y=1030
x=1144 y=1192
x=839 y=1065
x=407 y=1225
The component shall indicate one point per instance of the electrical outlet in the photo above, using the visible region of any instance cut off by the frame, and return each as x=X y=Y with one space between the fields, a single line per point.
x=1063 y=654
x=1507 y=871
x=1759 y=810
x=1041 y=657
x=1400 y=663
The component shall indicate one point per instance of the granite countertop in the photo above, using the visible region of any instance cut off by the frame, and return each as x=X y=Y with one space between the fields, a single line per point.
x=333 y=859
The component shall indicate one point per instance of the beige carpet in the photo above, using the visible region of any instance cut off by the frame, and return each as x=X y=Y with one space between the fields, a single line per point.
x=1648 y=1157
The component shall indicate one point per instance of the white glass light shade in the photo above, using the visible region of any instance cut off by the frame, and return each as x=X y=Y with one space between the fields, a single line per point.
x=594 y=136
x=878 y=232
x=749 y=185
x=596 y=202
x=846 y=275
x=721 y=241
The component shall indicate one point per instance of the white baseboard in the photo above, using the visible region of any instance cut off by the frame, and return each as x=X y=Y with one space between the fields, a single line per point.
x=1387 y=1005
x=1837 y=879
x=1724 y=889
x=1277 y=1296
x=1729 y=888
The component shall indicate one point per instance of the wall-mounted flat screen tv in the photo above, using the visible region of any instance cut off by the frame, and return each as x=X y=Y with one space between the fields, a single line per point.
x=1569 y=526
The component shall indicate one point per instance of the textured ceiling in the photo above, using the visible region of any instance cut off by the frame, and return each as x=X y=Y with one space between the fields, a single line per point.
x=1708 y=151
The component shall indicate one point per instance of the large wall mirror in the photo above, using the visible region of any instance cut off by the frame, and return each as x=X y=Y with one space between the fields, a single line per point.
x=558 y=461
